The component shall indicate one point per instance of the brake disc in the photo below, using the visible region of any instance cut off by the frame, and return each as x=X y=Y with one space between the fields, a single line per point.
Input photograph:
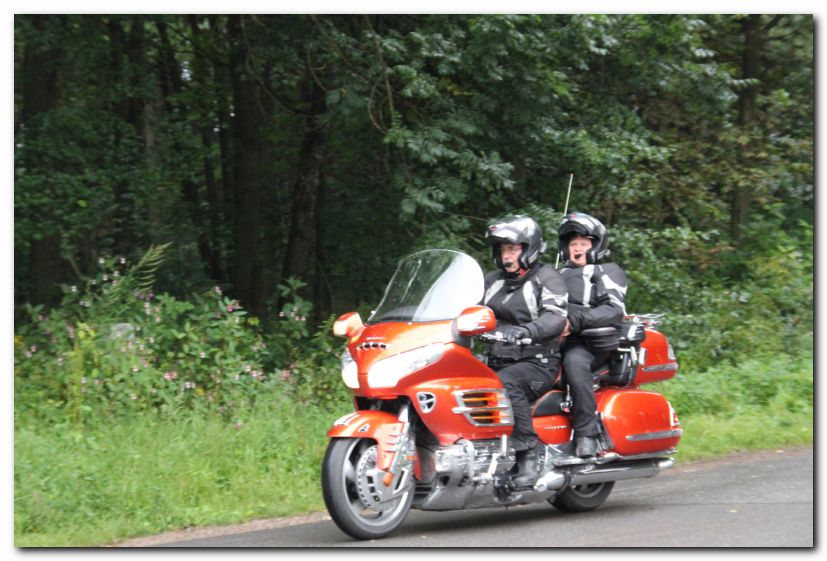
x=369 y=483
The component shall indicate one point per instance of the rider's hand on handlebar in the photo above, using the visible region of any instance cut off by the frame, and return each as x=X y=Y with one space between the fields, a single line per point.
x=514 y=333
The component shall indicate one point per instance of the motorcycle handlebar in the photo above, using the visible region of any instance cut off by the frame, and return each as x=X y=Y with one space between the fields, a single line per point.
x=497 y=337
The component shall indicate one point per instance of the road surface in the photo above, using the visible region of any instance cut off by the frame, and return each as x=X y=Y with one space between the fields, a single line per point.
x=759 y=499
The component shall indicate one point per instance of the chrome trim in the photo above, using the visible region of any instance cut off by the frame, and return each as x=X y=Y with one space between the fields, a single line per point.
x=504 y=404
x=468 y=409
x=660 y=367
x=649 y=455
x=654 y=435
x=427 y=401
x=638 y=470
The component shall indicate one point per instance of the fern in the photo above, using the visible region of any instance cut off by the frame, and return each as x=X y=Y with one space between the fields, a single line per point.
x=142 y=275
x=140 y=279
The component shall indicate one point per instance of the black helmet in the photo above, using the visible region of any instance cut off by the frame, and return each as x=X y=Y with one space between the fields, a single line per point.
x=519 y=229
x=585 y=225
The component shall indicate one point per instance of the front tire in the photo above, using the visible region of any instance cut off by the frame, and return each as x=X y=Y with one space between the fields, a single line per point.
x=582 y=498
x=353 y=490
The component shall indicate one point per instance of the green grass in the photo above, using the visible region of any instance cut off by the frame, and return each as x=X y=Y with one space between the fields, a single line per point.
x=145 y=475
x=708 y=436
x=762 y=402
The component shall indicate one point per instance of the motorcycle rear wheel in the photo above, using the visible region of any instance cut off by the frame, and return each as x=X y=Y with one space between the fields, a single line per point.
x=349 y=485
x=582 y=498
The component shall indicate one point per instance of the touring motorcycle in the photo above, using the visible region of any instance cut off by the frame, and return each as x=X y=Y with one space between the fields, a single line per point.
x=432 y=421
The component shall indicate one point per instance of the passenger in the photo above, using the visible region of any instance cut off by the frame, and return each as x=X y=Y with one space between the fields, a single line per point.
x=596 y=294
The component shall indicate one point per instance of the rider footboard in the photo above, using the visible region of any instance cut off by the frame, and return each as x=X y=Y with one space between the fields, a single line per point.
x=638 y=422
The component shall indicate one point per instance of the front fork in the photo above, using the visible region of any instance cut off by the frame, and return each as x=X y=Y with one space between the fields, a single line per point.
x=403 y=452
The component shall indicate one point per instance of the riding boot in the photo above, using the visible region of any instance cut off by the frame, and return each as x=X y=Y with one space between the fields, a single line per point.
x=529 y=464
x=587 y=446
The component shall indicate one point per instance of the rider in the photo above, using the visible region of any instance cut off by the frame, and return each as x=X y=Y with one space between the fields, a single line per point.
x=529 y=301
x=596 y=299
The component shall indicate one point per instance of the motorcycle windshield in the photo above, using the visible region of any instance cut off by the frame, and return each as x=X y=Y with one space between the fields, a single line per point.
x=430 y=285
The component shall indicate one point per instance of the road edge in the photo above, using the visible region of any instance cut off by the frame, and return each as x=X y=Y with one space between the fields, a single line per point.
x=159 y=540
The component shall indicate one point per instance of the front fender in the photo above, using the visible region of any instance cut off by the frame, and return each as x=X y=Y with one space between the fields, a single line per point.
x=380 y=426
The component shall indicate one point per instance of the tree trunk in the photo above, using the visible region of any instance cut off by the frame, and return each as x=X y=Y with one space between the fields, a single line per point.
x=301 y=254
x=127 y=61
x=202 y=72
x=222 y=76
x=41 y=95
x=322 y=291
x=251 y=114
x=747 y=110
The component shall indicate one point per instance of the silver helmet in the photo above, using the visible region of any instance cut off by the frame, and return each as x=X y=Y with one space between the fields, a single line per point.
x=585 y=225
x=518 y=229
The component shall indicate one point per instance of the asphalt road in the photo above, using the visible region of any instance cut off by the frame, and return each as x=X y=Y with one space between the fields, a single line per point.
x=762 y=499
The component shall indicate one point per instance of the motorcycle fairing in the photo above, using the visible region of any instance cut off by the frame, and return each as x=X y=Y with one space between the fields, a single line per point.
x=381 y=426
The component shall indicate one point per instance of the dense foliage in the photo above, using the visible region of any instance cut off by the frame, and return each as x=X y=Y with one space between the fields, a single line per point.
x=279 y=166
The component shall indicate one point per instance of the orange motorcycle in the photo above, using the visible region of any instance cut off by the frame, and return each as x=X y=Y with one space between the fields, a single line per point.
x=432 y=422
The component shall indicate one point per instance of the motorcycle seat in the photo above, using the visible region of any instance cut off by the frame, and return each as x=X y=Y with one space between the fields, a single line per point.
x=550 y=403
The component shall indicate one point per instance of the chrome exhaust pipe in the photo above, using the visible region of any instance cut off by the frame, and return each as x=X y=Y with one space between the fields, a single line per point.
x=551 y=481
x=624 y=470
x=637 y=469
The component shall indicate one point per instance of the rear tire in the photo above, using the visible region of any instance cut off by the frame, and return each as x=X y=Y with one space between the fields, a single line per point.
x=351 y=486
x=582 y=498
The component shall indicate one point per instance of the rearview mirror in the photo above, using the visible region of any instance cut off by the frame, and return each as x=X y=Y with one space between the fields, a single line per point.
x=475 y=320
x=348 y=325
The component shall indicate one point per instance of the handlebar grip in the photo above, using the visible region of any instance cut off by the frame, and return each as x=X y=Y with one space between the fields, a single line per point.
x=492 y=338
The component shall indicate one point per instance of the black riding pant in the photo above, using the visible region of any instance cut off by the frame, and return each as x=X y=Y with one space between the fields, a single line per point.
x=578 y=364
x=525 y=381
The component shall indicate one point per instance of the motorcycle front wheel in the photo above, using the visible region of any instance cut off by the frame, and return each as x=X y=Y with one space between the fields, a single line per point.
x=354 y=493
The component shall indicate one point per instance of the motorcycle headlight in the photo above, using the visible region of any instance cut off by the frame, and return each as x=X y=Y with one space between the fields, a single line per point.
x=350 y=372
x=387 y=372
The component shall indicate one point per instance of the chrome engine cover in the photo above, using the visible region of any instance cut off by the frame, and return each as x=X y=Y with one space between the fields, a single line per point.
x=463 y=476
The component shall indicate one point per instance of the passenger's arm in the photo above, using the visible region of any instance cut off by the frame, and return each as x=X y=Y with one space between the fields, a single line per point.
x=610 y=287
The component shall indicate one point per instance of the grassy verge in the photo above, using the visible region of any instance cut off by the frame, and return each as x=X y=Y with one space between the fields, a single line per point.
x=144 y=475
x=760 y=403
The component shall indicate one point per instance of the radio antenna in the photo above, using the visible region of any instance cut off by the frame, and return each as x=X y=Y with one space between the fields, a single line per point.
x=565 y=212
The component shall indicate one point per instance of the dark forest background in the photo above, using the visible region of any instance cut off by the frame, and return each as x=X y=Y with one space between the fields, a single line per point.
x=326 y=147
x=284 y=163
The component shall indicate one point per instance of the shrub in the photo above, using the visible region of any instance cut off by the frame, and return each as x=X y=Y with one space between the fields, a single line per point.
x=113 y=347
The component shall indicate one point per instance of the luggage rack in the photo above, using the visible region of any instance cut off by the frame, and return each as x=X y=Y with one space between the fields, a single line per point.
x=649 y=320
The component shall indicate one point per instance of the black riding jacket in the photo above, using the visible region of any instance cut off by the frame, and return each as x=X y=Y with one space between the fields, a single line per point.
x=536 y=301
x=597 y=295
